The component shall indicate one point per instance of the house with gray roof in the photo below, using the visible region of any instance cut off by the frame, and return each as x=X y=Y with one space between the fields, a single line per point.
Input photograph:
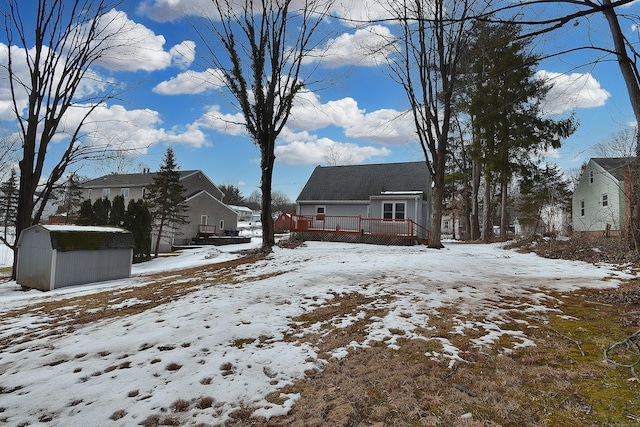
x=599 y=201
x=207 y=215
x=388 y=191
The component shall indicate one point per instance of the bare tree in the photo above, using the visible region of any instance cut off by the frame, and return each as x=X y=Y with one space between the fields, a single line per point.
x=338 y=156
x=621 y=144
x=49 y=69
x=433 y=36
x=259 y=47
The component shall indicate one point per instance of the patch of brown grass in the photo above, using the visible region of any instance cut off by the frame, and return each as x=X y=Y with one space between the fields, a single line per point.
x=121 y=413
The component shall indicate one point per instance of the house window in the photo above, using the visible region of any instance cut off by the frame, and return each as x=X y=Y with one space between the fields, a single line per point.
x=144 y=192
x=222 y=224
x=106 y=192
x=581 y=207
x=590 y=177
x=320 y=212
x=89 y=194
x=446 y=225
x=605 y=200
x=124 y=192
x=393 y=210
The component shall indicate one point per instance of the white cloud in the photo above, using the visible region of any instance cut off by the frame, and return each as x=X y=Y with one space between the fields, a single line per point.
x=92 y=84
x=191 y=82
x=385 y=126
x=358 y=12
x=228 y=124
x=128 y=46
x=183 y=54
x=171 y=10
x=572 y=91
x=116 y=128
x=308 y=113
x=367 y=46
x=316 y=152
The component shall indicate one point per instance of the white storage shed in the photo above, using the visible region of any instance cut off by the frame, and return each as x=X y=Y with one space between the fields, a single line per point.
x=55 y=256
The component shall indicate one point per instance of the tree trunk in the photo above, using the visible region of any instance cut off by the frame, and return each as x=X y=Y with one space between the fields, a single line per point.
x=266 y=162
x=628 y=71
x=475 y=207
x=504 y=215
x=436 y=216
x=157 y=248
x=25 y=205
x=487 y=212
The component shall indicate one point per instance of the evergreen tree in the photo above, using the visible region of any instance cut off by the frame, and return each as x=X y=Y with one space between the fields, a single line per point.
x=509 y=125
x=85 y=215
x=138 y=220
x=72 y=198
x=116 y=218
x=166 y=198
x=546 y=189
x=101 y=211
x=232 y=195
x=9 y=202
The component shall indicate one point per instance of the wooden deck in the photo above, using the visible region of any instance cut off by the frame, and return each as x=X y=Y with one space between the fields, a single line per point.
x=356 y=229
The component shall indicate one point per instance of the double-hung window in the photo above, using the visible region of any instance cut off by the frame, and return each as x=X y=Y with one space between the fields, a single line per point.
x=605 y=200
x=106 y=193
x=393 y=210
x=582 y=210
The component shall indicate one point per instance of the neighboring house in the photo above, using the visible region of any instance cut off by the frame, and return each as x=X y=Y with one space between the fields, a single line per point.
x=599 y=199
x=391 y=191
x=206 y=214
x=55 y=256
x=451 y=226
x=244 y=213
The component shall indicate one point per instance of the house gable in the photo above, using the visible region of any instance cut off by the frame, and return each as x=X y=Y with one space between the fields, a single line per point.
x=599 y=198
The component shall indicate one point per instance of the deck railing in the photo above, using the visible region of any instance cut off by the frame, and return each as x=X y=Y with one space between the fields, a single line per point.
x=206 y=230
x=392 y=228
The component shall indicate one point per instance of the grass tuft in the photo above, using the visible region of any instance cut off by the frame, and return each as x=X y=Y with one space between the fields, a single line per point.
x=120 y=413
x=173 y=366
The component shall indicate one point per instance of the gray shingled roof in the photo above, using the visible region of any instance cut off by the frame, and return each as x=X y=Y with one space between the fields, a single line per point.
x=359 y=182
x=127 y=180
x=614 y=165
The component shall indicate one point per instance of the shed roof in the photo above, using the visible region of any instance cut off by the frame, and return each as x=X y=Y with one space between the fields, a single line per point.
x=614 y=165
x=359 y=182
x=67 y=238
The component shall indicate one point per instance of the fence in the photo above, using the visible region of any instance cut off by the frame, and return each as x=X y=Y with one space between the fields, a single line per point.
x=405 y=229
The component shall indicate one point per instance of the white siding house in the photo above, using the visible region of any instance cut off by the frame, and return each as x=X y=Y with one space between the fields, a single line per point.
x=599 y=200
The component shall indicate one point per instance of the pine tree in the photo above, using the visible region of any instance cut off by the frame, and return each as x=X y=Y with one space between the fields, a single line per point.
x=166 y=198
x=101 y=211
x=544 y=189
x=72 y=196
x=509 y=125
x=232 y=195
x=116 y=218
x=9 y=202
x=85 y=215
x=138 y=220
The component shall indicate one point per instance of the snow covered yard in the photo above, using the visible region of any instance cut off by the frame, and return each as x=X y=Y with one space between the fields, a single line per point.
x=187 y=341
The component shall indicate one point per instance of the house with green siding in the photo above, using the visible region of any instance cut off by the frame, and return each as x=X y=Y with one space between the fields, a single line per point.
x=599 y=201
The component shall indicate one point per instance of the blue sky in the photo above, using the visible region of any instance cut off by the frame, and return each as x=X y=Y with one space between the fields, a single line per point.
x=354 y=109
